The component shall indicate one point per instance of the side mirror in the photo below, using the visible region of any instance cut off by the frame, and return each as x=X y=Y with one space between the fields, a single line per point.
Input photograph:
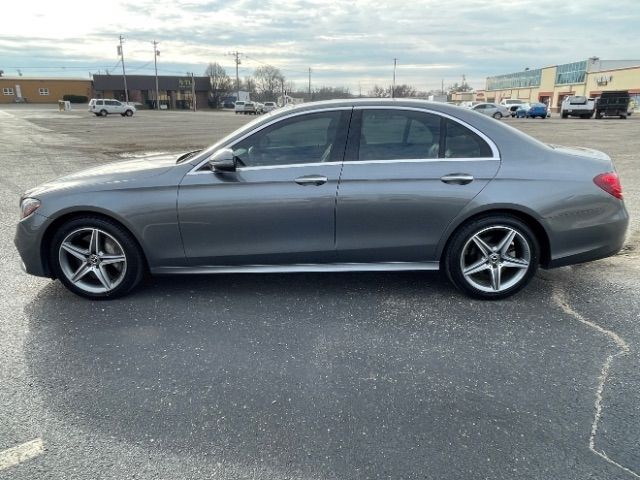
x=223 y=161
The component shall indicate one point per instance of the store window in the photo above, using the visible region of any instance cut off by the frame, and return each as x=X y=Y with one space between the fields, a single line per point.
x=7 y=91
x=43 y=91
x=528 y=78
x=575 y=72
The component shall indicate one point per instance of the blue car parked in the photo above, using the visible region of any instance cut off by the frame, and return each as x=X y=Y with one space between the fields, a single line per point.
x=538 y=110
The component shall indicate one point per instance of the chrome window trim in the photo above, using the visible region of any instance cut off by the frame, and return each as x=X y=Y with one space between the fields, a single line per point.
x=494 y=149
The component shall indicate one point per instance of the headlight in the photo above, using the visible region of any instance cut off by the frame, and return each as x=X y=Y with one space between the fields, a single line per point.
x=28 y=206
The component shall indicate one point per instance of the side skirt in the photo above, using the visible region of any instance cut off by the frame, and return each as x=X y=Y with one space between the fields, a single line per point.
x=300 y=267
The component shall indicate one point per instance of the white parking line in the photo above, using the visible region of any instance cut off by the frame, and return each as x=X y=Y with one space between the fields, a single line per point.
x=560 y=298
x=13 y=456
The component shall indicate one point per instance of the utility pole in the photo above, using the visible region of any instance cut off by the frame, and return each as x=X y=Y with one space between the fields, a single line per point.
x=124 y=75
x=236 y=56
x=156 y=52
x=393 y=88
x=309 y=83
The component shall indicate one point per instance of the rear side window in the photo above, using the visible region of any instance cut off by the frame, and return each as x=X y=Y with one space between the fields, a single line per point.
x=460 y=142
x=398 y=134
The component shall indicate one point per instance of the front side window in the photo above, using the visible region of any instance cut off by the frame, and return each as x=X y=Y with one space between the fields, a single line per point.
x=7 y=91
x=460 y=142
x=398 y=134
x=43 y=91
x=312 y=138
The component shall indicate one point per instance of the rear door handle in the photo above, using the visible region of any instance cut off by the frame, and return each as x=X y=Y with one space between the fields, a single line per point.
x=311 y=180
x=457 y=178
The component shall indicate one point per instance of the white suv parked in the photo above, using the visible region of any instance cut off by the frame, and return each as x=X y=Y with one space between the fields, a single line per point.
x=239 y=107
x=101 y=107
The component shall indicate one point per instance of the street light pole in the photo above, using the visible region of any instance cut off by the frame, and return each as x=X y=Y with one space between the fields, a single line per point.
x=124 y=75
x=309 y=83
x=155 y=63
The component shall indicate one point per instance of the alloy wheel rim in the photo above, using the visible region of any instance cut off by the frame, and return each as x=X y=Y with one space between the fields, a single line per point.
x=92 y=260
x=495 y=259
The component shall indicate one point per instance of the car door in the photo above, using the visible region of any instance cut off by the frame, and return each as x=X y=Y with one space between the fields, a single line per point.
x=278 y=207
x=406 y=175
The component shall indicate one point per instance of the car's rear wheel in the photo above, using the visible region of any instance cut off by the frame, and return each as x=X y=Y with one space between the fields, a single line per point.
x=492 y=257
x=96 y=258
x=103 y=113
x=497 y=115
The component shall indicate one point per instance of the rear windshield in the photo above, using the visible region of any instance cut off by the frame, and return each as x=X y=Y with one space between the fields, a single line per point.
x=578 y=100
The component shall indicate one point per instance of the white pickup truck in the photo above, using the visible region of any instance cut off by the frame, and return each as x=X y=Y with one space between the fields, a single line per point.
x=577 y=106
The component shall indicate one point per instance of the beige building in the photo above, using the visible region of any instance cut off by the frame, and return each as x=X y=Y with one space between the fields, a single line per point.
x=41 y=90
x=552 y=84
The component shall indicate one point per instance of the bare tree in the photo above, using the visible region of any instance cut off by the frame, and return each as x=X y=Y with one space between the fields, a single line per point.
x=220 y=83
x=404 y=91
x=379 y=92
x=401 y=91
x=269 y=82
x=329 y=93
x=249 y=85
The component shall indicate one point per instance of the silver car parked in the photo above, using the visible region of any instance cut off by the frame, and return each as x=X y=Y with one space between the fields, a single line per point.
x=333 y=186
x=492 y=109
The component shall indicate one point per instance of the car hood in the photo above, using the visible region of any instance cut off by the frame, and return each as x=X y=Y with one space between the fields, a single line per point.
x=110 y=175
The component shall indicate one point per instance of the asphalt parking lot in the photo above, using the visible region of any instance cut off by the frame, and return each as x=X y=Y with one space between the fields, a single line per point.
x=311 y=376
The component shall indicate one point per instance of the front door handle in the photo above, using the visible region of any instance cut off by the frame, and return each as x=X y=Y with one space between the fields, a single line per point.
x=311 y=180
x=457 y=178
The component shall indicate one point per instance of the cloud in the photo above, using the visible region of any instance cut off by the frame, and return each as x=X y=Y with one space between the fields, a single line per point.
x=345 y=43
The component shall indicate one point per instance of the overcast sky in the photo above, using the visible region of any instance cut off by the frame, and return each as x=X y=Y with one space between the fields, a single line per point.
x=346 y=42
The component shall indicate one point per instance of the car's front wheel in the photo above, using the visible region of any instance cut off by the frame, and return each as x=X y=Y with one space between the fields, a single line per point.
x=492 y=257
x=129 y=113
x=96 y=258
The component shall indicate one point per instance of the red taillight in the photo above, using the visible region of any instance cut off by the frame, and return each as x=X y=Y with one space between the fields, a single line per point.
x=610 y=183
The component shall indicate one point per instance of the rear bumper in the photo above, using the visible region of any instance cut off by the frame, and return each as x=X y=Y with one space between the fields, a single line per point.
x=590 y=243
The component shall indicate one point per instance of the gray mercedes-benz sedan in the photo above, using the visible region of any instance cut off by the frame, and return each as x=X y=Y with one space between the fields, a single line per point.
x=333 y=186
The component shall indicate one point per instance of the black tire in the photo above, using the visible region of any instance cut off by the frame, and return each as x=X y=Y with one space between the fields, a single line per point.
x=564 y=115
x=623 y=117
x=497 y=115
x=103 y=113
x=129 y=113
x=461 y=242
x=134 y=266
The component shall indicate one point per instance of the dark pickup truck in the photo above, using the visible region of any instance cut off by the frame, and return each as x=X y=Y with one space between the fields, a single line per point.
x=613 y=104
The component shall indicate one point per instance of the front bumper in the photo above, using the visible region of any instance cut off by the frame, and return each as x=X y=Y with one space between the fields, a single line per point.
x=28 y=242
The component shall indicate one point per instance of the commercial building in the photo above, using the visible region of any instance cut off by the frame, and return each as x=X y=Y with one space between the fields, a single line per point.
x=174 y=91
x=41 y=90
x=552 y=84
